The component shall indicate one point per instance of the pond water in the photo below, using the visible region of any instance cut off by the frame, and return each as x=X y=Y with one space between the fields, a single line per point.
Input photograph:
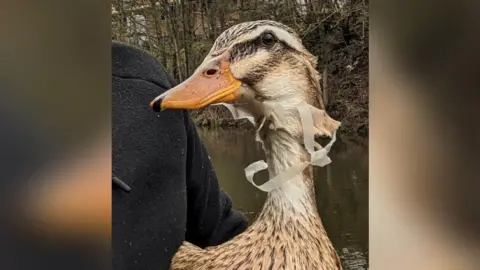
x=341 y=188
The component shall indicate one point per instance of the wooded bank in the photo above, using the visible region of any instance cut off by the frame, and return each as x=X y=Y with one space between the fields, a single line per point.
x=180 y=33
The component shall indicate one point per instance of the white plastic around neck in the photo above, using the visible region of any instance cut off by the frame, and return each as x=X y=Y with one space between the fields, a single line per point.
x=317 y=158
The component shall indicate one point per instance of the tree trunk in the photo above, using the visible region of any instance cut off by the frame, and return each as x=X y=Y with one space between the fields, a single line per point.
x=186 y=42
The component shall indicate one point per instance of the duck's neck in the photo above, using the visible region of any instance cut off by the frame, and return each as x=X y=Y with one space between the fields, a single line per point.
x=297 y=196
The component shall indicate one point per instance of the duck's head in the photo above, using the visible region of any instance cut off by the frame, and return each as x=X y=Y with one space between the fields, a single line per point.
x=259 y=62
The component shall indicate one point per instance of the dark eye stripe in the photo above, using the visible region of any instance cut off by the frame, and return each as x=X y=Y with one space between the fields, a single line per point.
x=248 y=47
x=243 y=28
x=244 y=49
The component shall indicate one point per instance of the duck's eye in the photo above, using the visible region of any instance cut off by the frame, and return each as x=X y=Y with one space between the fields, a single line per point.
x=268 y=39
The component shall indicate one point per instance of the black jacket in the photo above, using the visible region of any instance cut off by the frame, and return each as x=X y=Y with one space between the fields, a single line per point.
x=174 y=192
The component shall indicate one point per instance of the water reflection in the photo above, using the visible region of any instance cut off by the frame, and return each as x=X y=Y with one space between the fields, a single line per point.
x=341 y=188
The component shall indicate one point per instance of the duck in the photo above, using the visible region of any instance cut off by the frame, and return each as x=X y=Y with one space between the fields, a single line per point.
x=258 y=65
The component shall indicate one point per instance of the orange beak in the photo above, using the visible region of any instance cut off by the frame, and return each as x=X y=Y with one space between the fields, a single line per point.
x=213 y=83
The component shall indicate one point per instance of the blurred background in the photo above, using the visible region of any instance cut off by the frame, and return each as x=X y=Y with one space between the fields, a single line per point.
x=424 y=205
x=55 y=157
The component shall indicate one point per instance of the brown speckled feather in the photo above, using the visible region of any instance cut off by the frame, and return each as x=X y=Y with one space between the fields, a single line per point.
x=288 y=233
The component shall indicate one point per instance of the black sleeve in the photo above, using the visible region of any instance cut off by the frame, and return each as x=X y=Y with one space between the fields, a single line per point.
x=210 y=218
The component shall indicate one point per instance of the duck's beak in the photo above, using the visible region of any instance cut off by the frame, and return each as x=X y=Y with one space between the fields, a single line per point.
x=211 y=83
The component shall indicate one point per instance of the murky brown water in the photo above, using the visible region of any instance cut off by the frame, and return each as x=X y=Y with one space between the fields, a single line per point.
x=341 y=188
